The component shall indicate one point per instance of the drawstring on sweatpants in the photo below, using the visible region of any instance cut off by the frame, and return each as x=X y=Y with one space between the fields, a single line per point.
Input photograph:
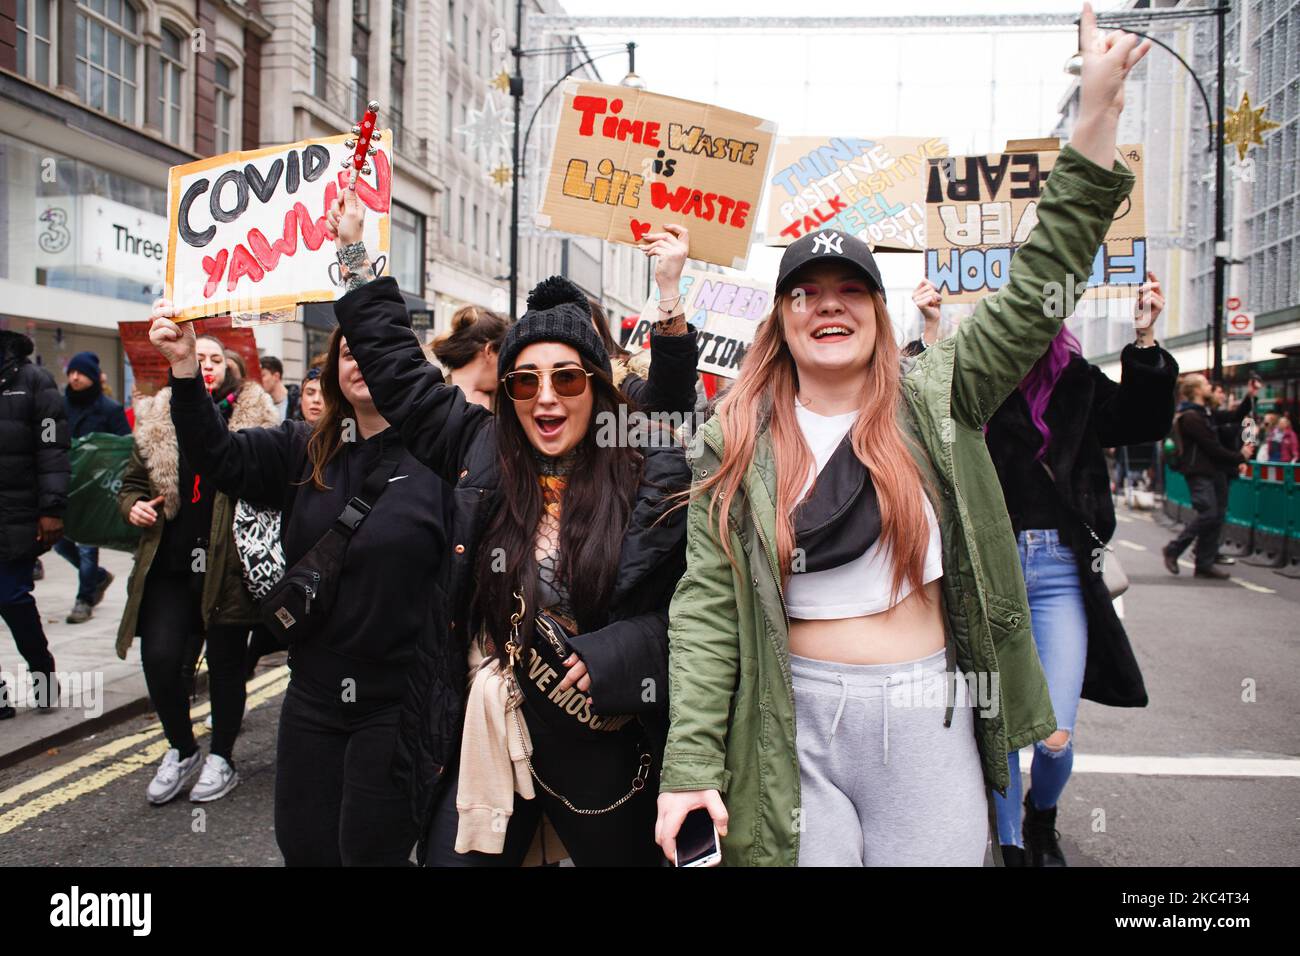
x=844 y=698
x=884 y=704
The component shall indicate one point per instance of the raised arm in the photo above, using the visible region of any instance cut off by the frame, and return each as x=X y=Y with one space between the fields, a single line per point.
x=438 y=425
x=1141 y=407
x=669 y=385
x=999 y=343
x=256 y=464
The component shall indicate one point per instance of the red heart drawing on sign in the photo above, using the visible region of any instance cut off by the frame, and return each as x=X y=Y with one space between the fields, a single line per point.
x=639 y=229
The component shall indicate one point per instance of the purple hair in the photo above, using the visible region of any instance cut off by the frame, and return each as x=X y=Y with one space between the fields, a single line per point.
x=1037 y=386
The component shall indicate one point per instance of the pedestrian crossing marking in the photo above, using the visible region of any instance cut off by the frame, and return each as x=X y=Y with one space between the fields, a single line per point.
x=1177 y=766
x=1133 y=546
x=141 y=759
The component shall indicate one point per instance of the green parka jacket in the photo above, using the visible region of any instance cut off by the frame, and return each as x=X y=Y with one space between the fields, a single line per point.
x=154 y=470
x=731 y=704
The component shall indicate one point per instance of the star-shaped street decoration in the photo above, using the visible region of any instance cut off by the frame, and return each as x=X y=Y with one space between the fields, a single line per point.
x=1242 y=127
x=502 y=81
x=501 y=175
x=489 y=127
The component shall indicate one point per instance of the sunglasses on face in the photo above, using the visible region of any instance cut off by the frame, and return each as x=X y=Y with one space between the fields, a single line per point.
x=568 y=382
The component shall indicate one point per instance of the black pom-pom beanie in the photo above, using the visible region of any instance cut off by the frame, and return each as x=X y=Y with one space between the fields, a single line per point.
x=557 y=312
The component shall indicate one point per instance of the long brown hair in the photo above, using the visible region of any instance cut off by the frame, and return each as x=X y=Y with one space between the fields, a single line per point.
x=600 y=493
x=327 y=436
x=769 y=379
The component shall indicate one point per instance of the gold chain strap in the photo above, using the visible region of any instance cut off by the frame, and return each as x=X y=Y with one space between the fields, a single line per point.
x=514 y=650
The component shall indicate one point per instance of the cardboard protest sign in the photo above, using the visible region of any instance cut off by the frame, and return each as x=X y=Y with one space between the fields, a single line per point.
x=149 y=367
x=980 y=208
x=726 y=311
x=247 y=229
x=626 y=162
x=870 y=188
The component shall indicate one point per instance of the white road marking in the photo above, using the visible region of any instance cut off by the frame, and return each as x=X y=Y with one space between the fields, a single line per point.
x=1252 y=586
x=1187 y=766
x=1248 y=585
x=1135 y=547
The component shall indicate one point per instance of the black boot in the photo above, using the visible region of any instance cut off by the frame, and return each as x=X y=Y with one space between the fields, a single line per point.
x=1042 y=839
x=1012 y=855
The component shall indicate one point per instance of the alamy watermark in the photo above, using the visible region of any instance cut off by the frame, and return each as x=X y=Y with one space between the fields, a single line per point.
x=83 y=690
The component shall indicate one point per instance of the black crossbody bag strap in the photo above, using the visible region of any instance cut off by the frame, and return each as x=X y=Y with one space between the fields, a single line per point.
x=361 y=504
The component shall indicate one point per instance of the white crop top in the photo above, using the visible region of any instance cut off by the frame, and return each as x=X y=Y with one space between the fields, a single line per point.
x=862 y=586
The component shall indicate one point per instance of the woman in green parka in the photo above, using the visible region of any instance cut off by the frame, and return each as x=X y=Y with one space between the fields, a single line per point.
x=850 y=651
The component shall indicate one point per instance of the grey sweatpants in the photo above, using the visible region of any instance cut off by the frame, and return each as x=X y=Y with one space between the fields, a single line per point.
x=883 y=782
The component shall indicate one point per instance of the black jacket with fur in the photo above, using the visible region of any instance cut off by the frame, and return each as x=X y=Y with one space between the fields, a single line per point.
x=1087 y=414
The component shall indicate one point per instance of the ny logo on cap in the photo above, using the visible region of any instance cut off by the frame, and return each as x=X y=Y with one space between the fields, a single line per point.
x=828 y=242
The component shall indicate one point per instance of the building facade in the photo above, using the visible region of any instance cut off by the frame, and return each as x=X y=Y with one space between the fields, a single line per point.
x=99 y=98
x=1165 y=112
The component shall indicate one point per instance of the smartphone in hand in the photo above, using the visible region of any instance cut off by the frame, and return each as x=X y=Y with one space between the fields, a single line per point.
x=697 y=840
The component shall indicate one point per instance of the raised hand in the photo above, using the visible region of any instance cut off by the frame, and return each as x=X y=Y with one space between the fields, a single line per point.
x=175 y=341
x=1107 y=60
x=1150 y=303
x=927 y=298
x=347 y=218
x=670 y=249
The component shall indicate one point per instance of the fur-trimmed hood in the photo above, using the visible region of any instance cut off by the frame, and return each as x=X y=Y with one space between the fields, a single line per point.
x=155 y=435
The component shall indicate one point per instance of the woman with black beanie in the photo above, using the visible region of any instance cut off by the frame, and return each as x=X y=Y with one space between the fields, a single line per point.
x=564 y=554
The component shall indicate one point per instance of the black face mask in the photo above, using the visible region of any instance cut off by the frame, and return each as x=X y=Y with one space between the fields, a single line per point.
x=842 y=518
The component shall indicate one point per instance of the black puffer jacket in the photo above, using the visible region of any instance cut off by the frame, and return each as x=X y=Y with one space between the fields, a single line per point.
x=34 y=469
x=457 y=440
x=1088 y=413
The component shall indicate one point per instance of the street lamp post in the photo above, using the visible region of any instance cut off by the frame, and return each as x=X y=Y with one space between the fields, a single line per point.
x=1118 y=20
x=519 y=149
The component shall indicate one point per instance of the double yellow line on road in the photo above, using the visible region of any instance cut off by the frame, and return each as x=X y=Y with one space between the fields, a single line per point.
x=261 y=689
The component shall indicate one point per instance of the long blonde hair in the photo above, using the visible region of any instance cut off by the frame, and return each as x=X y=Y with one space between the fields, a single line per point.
x=770 y=379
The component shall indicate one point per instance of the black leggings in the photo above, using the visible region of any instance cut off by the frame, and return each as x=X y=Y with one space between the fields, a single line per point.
x=336 y=802
x=171 y=636
x=591 y=774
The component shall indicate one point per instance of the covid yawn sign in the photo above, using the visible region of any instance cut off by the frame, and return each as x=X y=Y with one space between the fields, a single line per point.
x=248 y=229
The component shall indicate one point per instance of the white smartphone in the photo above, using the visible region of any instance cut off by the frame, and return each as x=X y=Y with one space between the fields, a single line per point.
x=697 y=840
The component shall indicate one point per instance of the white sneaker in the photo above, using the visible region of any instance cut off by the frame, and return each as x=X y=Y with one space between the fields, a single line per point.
x=171 y=776
x=217 y=779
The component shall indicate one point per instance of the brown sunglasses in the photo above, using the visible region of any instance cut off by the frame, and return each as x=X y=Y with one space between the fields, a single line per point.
x=568 y=382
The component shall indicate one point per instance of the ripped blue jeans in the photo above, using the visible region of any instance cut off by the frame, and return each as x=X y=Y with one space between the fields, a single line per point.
x=1060 y=627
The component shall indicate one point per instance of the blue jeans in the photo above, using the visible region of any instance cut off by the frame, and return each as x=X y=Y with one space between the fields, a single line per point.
x=86 y=560
x=1060 y=627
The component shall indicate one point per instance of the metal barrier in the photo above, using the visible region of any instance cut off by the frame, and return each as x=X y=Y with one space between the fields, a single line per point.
x=1262 y=524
